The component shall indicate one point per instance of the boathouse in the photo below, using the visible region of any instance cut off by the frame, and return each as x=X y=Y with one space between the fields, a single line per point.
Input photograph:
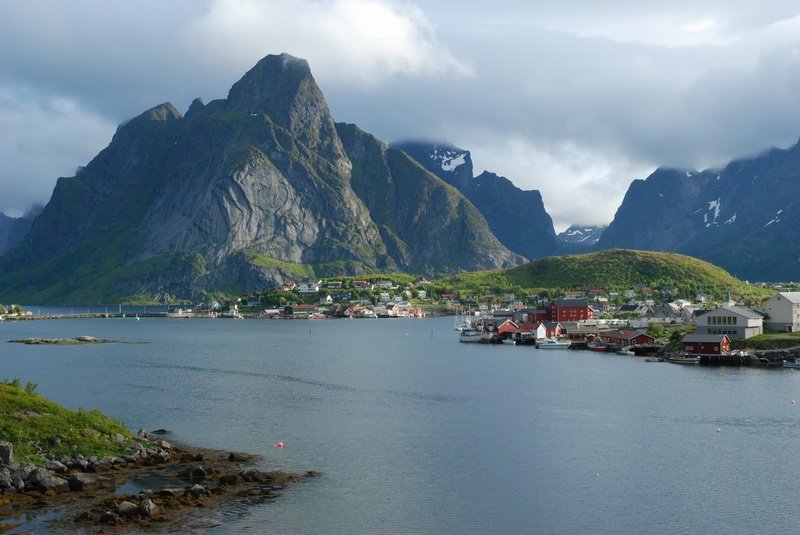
x=532 y=330
x=623 y=339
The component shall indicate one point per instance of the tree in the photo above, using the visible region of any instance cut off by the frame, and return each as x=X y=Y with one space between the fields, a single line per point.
x=656 y=330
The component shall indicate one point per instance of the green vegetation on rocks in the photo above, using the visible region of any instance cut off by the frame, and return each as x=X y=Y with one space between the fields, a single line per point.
x=37 y=426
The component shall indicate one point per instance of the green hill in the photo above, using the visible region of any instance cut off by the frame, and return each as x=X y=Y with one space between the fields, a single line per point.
x=614 y=270
x=34 y=424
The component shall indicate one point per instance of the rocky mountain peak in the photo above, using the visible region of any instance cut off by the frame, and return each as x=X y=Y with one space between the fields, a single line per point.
x=272 y=86
x=283 y=88
x=515 y=216
x=158 y=115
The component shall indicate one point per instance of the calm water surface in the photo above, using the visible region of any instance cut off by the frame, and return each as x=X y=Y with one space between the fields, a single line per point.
x=416 y=433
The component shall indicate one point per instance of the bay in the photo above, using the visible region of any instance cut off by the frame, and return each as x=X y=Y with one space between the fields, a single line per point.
x=416 y=433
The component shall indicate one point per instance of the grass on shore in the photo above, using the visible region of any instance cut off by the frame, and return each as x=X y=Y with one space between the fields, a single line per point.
x=36 y=425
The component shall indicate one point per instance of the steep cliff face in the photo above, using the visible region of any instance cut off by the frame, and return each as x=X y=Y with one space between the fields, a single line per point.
x=517 y=217
x=237 y=193
x=742 y=217
x=425 y=223
x=656 y=214
x=13 y=229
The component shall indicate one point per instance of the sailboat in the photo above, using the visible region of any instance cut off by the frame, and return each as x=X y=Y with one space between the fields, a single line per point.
x=461 y=321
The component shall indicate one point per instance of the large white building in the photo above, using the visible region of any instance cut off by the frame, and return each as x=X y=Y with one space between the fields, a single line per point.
x=783 y=312
x=736 y=322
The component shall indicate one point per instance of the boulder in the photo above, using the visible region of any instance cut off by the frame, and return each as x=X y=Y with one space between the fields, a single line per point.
x=5 y=478
x=197 y=490
x=252 y=475
x=22 y=471
x=194 y=473
x=171 y=492
x=83 y=481
x=6 y=453
x=45 y=480
x=148 y=508
x=127 y=509
x=56 y=466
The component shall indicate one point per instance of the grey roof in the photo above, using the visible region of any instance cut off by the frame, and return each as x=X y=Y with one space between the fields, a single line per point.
x=564 y=302
x=792 y=297
x=663 y=310
x=741 y=311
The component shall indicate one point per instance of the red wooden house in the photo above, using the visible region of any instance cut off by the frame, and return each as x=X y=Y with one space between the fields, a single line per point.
x=552 y=329
x=570 y=310
x=707 y=344
x=623 y=339
x=507 y=328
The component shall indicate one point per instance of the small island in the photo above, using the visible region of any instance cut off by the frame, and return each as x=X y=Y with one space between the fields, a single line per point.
x=78 y=340
x=72 y=463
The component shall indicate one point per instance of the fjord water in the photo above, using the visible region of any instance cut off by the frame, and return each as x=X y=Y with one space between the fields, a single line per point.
x=416 y=433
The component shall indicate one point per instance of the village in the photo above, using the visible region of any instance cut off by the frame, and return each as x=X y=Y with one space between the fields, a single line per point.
x=686 y=332
x=631 y=322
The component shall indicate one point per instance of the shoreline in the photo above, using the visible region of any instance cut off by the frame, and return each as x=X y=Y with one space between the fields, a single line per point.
x=174 y=487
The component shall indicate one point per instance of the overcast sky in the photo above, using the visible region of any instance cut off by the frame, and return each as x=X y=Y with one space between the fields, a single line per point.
x=575 y=98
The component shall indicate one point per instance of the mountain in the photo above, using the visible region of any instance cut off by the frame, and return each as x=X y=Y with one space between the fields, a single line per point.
x=240 y=194
x=13 y=229
x=424 y=223
x=743 y=217
x=517 y=217
x=582 y=235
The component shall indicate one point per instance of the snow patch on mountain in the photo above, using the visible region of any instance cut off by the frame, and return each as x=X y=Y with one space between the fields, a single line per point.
x=582 y=234
x=775 y=219
x=449 y=160
x=713 y=210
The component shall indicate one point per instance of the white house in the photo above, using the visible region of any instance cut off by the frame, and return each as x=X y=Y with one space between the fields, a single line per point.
x=309 y=287
x=783 y=311
x=736 y=322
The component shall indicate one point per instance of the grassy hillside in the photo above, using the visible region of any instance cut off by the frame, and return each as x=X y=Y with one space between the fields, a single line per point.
x=614 y=270
x=34 y=424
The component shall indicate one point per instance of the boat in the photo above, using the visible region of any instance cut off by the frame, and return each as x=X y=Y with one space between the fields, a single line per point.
x=552 y=343
x=793 y=363
x=689 y=359
x=509 y=341
x=474 y=336
x=595 y=345
x=461 y=321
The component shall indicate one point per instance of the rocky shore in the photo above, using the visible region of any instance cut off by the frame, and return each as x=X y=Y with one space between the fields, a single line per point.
x=176 y=487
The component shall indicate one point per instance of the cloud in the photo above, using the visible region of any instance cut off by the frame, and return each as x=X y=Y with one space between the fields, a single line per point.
x=71 y=70
x=575 y=96
x=347 y=42
x=42 y=136
x=579 y=185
